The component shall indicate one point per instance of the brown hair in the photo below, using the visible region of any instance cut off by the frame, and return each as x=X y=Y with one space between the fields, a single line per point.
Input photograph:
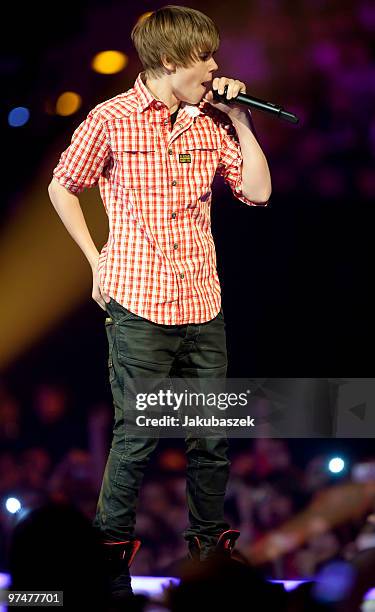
x=178 y=32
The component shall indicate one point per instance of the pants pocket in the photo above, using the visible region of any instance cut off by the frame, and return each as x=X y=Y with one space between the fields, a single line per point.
x=110 y=331
x=119 y=313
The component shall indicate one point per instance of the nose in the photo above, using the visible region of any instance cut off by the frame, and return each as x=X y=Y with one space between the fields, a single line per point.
x=214 y=65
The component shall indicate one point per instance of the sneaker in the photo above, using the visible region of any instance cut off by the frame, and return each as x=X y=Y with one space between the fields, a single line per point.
x=119 y=557
x=225 y=542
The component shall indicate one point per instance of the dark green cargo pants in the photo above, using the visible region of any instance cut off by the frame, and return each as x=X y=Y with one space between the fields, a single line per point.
x=139 y=348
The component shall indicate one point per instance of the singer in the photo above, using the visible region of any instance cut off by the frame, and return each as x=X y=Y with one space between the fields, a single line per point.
x=154 y=150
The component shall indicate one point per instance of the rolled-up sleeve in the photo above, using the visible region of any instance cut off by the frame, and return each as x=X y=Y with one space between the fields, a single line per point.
x=82 y=163
x=230 y=167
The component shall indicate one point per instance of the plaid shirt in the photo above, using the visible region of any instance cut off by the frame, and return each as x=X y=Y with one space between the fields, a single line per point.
x=159 y=261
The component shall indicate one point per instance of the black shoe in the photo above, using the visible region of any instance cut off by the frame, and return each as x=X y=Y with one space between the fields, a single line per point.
x=225 y=542
x=119 y=557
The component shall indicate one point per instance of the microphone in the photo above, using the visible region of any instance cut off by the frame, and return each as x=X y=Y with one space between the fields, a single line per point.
x=253 y=102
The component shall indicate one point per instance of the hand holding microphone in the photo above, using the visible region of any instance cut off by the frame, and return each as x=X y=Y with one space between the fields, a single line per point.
x=225 y=91
x=229 y=92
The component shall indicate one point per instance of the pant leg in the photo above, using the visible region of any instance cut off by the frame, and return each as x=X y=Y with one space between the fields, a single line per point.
x=138 y=348
x=204 y=355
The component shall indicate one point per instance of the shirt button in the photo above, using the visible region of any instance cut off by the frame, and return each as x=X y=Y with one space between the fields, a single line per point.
x=175 y=246
x=174 y=183
x=166 y=121
x=181 y=124
x=174 y=215
x=182 y=275
x=170 y=151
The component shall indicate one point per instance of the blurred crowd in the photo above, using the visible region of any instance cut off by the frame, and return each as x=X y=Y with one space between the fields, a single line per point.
x=48 y=454
x=315 y=59
x=68 y=558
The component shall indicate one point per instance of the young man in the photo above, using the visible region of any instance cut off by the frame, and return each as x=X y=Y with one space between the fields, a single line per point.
x=154 y=151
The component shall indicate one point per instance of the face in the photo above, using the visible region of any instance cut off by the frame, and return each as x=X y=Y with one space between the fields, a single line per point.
x=187 y=83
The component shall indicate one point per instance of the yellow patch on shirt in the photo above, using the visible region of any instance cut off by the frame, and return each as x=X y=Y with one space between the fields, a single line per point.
x=184 y=158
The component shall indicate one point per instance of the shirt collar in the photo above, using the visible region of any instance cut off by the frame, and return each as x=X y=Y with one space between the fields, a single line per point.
x=144 y=95
x=146 y=98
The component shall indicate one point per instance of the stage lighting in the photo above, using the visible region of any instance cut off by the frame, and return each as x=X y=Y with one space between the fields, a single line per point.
x=144 y=16
x=68 y=103
x=109 y=62
x=18 y=116
x=333 y=582
x=336 y=465
x=13 y=505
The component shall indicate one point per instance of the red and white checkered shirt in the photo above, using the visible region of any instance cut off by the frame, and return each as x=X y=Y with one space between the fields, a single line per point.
x=155 y=181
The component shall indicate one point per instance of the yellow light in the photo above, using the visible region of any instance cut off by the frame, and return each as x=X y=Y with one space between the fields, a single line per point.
x=68 y=103
x=145 y=15
x=109 y=62
x=50 y=270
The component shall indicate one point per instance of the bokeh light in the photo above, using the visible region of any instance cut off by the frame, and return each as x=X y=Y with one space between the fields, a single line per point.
x=144 y=15
x=336 y=465
x=334 y=582
x=18 y=116
x=13 y=505
x=109 y=62
x=68 y=103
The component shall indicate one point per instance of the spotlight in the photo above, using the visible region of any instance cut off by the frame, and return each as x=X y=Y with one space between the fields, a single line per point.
x=13 y=505
x=336 y=465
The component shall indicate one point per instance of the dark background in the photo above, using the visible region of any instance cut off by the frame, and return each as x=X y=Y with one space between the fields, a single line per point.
x=296 y=277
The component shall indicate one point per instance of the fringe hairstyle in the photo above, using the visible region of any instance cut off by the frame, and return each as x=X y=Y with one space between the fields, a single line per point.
x=177 y=33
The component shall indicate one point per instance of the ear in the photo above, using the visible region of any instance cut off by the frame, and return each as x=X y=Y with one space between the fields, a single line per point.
x=170 y=66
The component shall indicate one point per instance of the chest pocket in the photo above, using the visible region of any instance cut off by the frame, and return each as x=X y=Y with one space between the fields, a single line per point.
x=137 y=164
x=204 y=150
